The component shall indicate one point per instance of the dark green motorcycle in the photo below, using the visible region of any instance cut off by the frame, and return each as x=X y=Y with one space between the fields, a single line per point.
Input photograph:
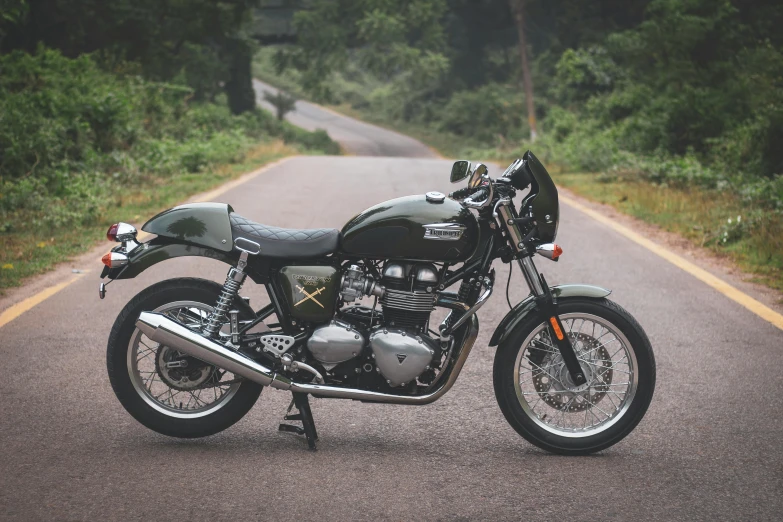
x=574 y=372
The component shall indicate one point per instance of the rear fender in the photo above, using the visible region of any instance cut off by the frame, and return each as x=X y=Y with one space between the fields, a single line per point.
x=160 y=249
x=520 y=312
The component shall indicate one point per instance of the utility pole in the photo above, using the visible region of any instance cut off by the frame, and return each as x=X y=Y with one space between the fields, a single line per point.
x=518 y=8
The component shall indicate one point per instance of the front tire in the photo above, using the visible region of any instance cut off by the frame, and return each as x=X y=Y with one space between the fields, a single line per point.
x=201 y=400
x=537 y=397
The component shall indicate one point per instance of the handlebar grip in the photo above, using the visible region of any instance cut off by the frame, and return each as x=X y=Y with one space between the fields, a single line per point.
x=461 y=193
x=480 y=194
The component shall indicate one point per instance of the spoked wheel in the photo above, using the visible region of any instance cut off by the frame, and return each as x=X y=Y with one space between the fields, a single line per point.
x=538 y=397
x=168 y=391
x=174 y=383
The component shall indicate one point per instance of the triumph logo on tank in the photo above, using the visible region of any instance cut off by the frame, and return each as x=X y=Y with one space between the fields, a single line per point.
x=443 y=231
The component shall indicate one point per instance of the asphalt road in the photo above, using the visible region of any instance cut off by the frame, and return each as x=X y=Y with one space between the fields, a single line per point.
x=709 y=447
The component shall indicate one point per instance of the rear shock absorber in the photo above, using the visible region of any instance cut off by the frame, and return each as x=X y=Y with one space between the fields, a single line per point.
x=234 y=279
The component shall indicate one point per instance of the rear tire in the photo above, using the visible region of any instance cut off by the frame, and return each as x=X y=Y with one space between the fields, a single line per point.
x=548 y=382
x=141 y=406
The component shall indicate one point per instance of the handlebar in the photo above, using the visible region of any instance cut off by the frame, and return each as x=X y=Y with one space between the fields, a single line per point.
x=461 y=193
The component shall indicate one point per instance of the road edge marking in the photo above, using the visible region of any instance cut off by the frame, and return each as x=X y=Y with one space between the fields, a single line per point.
x=699 y=273
x=15 y=310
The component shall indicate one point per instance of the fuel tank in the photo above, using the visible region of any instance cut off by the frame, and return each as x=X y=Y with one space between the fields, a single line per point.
x=412 y=227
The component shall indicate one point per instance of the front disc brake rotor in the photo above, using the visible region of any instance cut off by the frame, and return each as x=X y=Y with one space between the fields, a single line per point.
x=181 y=372
x=553 y=381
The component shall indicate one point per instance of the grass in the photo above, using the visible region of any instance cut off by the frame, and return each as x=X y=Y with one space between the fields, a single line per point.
x=753 y=237
x=30 y=251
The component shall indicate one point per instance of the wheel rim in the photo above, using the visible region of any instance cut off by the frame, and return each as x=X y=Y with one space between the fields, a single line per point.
x=191 y=390
x=549 y=397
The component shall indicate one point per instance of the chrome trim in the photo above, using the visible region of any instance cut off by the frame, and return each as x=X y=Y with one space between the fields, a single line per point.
x=118 y=259
x=532 y=277
x=444 y=231
x=125 y=232
x=547 y=250
x=290 y=364
x=255 y=251
x=163 y=330
x=435 y=197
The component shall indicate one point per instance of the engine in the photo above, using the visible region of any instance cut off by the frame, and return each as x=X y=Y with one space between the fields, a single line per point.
x=406 y=292
x=400 y=349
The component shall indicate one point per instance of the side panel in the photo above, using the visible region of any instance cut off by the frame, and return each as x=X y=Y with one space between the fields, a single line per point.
x=518 y=314
x=310 y=291
x=204 y=224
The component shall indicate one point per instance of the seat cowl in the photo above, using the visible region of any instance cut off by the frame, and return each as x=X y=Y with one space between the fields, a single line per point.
x=291 y=243
x=204 y=224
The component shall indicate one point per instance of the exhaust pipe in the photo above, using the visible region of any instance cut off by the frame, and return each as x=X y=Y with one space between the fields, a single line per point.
x=165 y=331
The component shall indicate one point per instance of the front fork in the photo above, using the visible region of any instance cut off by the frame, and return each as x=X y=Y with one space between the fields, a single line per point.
x=547 y=305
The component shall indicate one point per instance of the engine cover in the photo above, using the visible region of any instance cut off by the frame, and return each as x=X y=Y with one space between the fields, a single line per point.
x=399 y=356
x=335 y=343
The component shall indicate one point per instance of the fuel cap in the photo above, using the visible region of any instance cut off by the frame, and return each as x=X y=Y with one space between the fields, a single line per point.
x=435 y=197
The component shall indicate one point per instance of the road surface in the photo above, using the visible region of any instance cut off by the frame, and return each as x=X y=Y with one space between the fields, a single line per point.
x=709 y=447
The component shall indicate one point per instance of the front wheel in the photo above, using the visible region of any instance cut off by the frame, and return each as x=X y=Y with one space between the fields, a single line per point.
x=538 y=398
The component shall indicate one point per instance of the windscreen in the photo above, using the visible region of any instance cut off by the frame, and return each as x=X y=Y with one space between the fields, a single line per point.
x=543 y=199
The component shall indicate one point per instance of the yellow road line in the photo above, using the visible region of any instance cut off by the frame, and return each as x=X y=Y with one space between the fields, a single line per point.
x=21 y=307
x=718 y=284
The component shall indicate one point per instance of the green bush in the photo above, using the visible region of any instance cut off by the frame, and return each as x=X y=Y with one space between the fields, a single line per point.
x=71 y=133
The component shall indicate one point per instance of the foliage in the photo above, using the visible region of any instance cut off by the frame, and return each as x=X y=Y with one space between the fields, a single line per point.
x=204 y=43
x=282 y=102
x=73 y=137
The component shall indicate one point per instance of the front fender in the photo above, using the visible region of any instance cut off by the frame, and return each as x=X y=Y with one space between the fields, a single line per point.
x=518 y=314
x=160 y=249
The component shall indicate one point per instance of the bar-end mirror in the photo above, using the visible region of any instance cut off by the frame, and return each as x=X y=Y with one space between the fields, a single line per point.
x=460 y=170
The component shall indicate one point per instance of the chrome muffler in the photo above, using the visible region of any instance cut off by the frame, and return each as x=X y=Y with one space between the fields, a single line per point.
x=167 y=332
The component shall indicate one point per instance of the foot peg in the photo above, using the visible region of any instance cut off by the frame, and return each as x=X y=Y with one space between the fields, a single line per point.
x=305 y=416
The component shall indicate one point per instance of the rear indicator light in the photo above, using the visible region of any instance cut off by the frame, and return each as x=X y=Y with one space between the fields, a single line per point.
x=556 y=252
x=111 y=234
x=114 y=259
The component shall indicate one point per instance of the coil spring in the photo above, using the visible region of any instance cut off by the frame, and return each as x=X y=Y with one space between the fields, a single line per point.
x=230 y=289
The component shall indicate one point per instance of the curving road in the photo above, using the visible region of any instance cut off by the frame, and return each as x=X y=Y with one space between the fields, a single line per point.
x=708 y=448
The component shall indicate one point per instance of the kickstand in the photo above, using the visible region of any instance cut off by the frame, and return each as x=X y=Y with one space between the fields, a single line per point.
x=305 y=415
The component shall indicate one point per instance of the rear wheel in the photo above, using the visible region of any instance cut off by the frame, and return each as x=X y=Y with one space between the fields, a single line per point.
x=538 y=398
x=167 y=391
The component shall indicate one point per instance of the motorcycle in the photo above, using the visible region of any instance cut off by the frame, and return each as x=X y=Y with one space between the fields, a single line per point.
x=574 y=373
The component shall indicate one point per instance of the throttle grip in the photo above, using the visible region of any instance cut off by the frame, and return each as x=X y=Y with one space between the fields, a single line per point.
x=461 y=193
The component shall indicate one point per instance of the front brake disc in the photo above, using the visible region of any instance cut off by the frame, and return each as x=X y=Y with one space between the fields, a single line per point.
x=553 y=382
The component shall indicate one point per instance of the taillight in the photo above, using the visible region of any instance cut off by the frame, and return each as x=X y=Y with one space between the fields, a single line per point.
x=121 y=232
x=111 y=234
x=114 y=259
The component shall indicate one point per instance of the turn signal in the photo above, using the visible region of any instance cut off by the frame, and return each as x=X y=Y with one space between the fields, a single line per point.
x=549 y=251
x=114 y=259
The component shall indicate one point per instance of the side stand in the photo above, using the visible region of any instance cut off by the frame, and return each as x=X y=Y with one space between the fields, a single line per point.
x=305 y=415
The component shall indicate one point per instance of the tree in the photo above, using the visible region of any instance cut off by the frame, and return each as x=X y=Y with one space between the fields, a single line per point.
x=518 y=7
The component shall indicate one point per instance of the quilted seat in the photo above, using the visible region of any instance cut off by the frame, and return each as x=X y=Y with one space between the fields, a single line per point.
x=291 y=243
